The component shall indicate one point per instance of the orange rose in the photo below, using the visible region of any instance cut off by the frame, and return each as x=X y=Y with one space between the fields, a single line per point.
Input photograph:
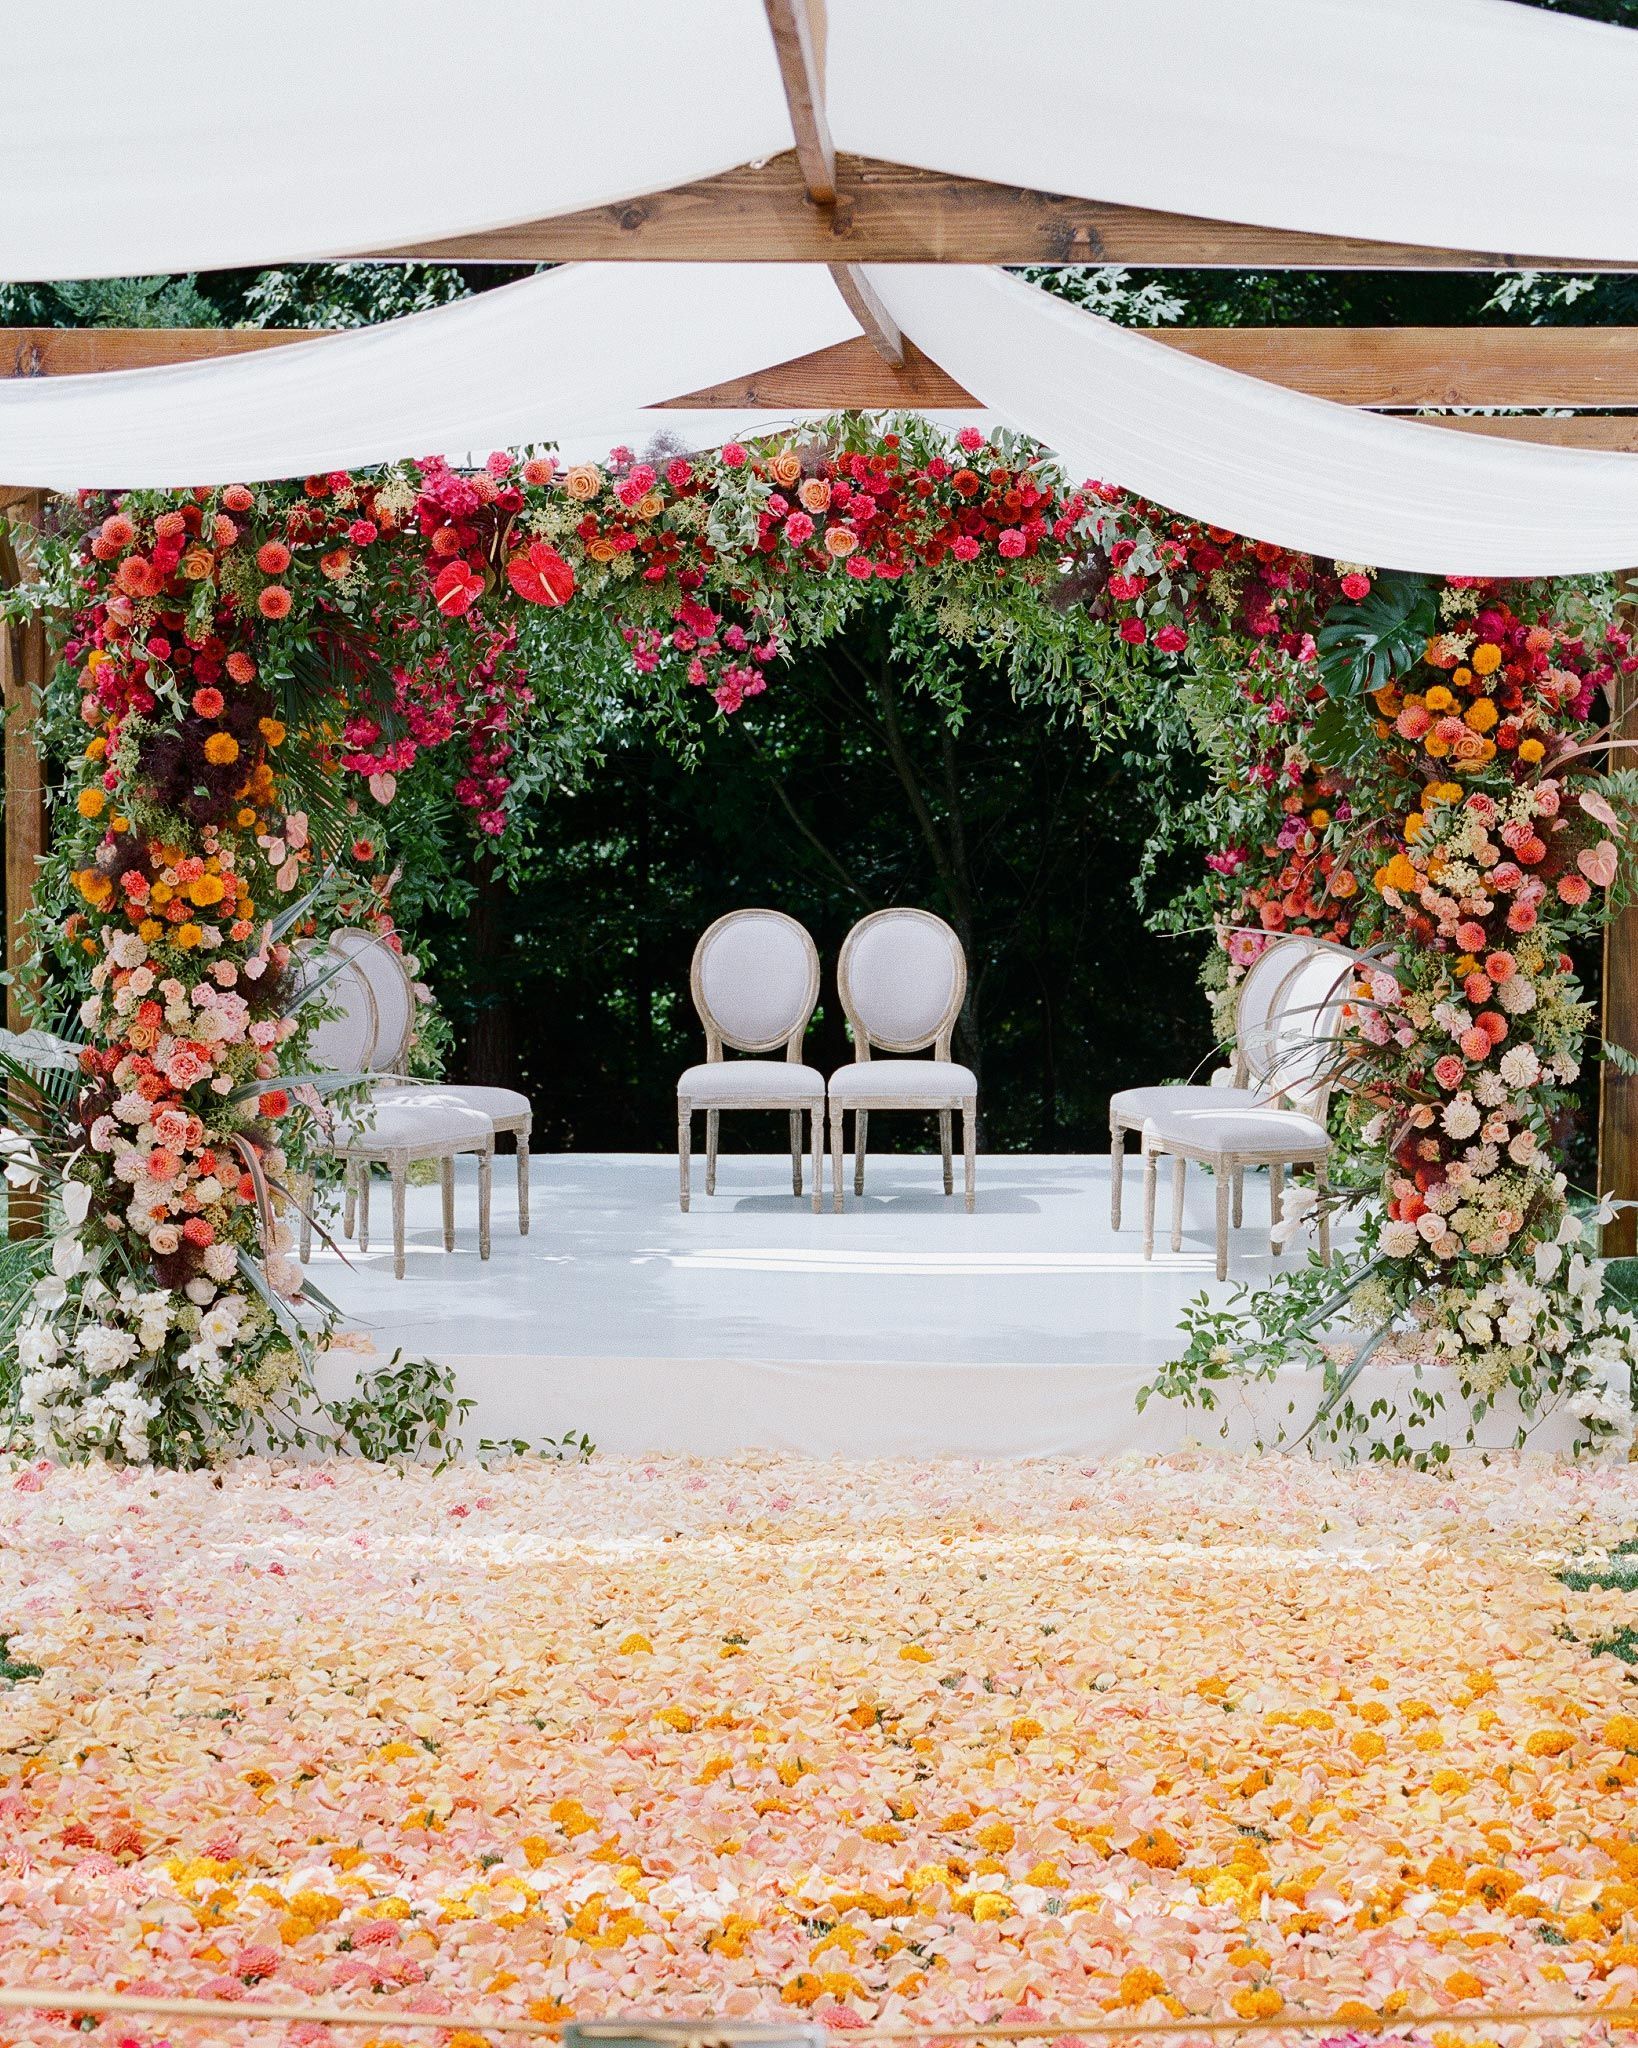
x=197 y=564
x=601 y=550
x=840 y=540
x=583 y=482
x=335 y=564
x=650 y=506
x=785 y=469
x=814 y=495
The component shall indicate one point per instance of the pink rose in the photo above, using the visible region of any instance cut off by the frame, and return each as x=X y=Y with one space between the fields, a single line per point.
x=1449 y=1070
x=1011 y=543
x=964 y=548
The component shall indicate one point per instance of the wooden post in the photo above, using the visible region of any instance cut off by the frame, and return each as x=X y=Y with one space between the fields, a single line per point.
x=22 y=678
x=1618 y=1019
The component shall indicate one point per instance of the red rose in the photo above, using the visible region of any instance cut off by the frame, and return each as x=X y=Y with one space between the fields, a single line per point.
x=540 y=575
x=1171 y=639
x=457 y=589
x=1134 y=632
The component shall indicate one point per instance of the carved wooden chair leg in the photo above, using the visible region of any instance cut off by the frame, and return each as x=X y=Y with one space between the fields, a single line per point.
x=446 y=1174
x=1321 y=1190
x=1117 y=1161
x=969 y=1153
x=1276 y=1205
x=945 y=1123
x=836 y=1118
x=861 y=1124
x=1151 y=1170
x=1180 y=1174
x=816 y=1138
x=712 y=1118
x=302 y=1189
x=486 y=1189
x=1226 y=1181
x=349 y=1213
x=685 y=1139
x=521 y=1140
x=399 y=1171
x=796 y=1153
x=1239 y=1196
x=363 y=1205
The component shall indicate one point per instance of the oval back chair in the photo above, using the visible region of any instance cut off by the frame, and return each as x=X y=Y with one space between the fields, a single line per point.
x=902 y=978
x=392 y=989
x=755 y=983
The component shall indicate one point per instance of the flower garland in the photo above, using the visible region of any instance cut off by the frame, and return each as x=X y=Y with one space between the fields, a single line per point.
x=253 y=670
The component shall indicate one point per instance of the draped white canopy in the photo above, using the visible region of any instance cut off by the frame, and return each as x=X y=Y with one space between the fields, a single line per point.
x=583 y=354
x=254 y=136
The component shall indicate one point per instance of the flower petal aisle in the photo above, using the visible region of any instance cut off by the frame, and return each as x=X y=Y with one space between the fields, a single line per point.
x=890 y=1740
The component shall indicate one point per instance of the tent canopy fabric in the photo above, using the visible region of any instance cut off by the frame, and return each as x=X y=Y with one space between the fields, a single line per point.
x=584 y=355
x=312 y=131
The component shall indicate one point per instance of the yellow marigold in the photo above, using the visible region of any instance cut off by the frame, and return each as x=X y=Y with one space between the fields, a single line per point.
x=1531 y=750
x=1319 y=819
x=1462 y=677
x=1463 y=1984
x=1159 y=1850
x=1367 y=1745
x=1399 y=874
x=1354 y=2012
x=636 y=1645
x=91 y=802
x=1482 y=714
x=991 y=1906
x=1026 y=1730
x=221 y=749
x=1440 y=699
x=1621 y=1732
x=97 y=749
x=94 y=887
x=149 y=930
x=997 y=1836
x=802 y=1989
x=676 y=1717
x=1264 y=2003
x=244 y=817
x=1139 y=1985
x=206 y=890
x=913 y=1653
x=1549 y=1742
x=186 y=936
x=1486 y=658
x=271 y=730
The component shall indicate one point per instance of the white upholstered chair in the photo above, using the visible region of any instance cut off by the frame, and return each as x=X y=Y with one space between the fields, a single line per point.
x=394 y=996
x=1230 y=1087
x=387 y=1128
x=1292 y=1061
x=755 y=981
x=902 y=977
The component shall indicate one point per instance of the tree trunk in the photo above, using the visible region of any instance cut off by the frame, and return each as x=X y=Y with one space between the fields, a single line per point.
x=491 y=1035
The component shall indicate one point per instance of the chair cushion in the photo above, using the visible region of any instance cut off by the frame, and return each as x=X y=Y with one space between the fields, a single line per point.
x=501 y=1105
x=753 y=1084
x=1134 y=1104
x=919 y=1084
x=1238 y=1130
x=404 y=1119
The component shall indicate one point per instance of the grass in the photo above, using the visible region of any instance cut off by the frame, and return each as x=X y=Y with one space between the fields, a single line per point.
x=1617 y=1574
x=11 y=1670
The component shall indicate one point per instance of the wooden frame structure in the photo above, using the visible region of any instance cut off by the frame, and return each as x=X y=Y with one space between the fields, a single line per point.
x=814 y=204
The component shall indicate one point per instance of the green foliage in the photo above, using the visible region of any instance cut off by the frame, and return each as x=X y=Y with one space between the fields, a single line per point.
x=1617 y=1573
x=1363 y=646
x=349 y=294
x=109 y=302
x=404 y=1412
x=12 y=1669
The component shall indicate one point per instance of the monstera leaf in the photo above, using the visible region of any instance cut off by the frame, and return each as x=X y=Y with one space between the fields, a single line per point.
x=1364 y=645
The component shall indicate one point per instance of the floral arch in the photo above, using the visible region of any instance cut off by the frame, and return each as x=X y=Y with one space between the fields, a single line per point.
x=251 y=679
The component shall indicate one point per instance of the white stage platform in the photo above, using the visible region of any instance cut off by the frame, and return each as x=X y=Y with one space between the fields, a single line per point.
x=902 y=1326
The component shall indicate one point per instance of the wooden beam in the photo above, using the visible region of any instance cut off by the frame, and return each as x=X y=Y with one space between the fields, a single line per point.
x=82 y=351
x=22 y=680
x=895 y=213
x=1402 y=367
x=798 y=37
x=881 y=329
x=1618 y=1015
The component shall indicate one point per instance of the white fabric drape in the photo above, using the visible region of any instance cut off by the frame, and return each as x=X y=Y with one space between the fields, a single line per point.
x=581 y=347
x=140 y=142
x=142 y=137
x=1381 y=118
x=1265 y=461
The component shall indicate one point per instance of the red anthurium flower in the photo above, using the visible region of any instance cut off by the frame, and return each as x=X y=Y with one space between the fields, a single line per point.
x=457 y=588
x=540 y=575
